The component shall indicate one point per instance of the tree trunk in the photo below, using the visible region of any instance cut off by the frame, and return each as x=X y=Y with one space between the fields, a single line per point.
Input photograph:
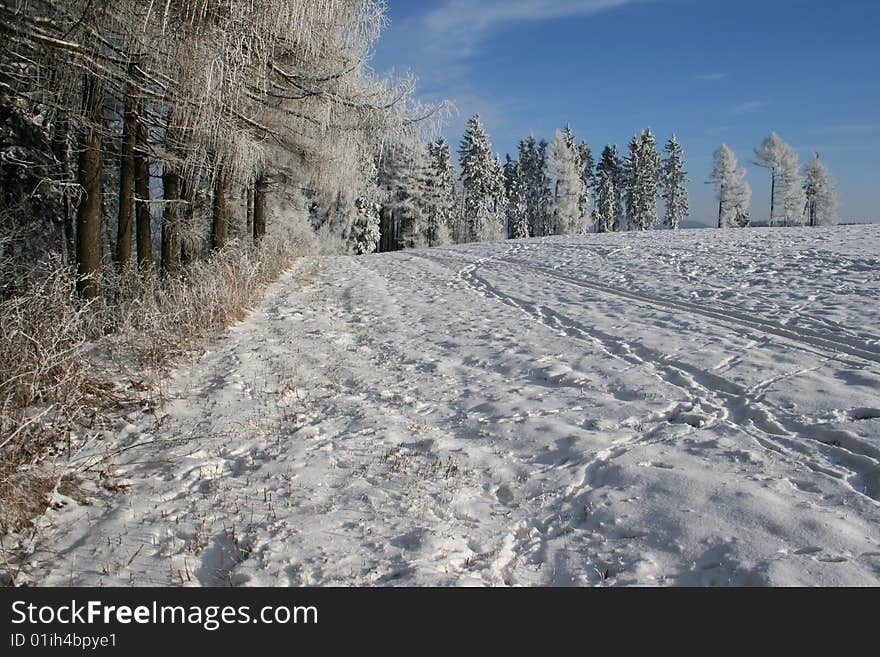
x=187 y=250
x=126 y=185
x=772 y=197
x=142 y=202
x=384 y=229
x=170 y=242
x=249 y=209
x=720 y=203
x=88 y=216
x=220 y=213
x=61 y=147
x=260 y=187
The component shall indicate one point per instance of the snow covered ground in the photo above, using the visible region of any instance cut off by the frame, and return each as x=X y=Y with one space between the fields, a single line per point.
x=669 y=408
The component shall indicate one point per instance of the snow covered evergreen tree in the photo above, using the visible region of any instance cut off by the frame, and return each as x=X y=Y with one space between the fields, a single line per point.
x=440 y=194
x=568 y=185
x=585 y=156
x=820 y=194
x=536 y=184
x=482 y=177
x=403 y=175
x=543 y=191
x=674 y=178
x=611 y=164
x=734 y=193
x=365 y=234
x=606 y=203
x=517 y=207
x=499 y=197
x=642 y=178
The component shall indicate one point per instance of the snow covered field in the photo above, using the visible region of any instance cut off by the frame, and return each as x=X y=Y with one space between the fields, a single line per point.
x=698 y=407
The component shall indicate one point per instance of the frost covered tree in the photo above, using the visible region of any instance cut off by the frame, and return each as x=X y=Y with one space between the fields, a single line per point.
x=642 y=179
x=792 y=189
x=786 y=186
x=482 y=179
x=611 y=164
x=769 y=155
x=734 y=193
x=440 y=194
x=218 y=96
x=517 y=208
x=365 y=233
x=586 y=165
x=536 y=185
x=499 y=195
x=569 y=190
x=819 y=191
x=402 y=175
x=604 y=215
x=673 y=181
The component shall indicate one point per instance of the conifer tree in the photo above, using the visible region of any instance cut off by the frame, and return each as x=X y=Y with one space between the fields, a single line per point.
x=542 y=190
x=403 y=177
x=365 y=229
x=611 y=164
x=482 y=179
x=499 y=196
x=440 y=193
x=642 y=177
x=568 y=185
x=606 y=203
x=536 y=184
x=587 y=176
x=674 y=178
x=517 y=209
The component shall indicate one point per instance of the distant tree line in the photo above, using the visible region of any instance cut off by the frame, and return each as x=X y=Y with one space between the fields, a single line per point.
x=556 y=188
x=549 y=189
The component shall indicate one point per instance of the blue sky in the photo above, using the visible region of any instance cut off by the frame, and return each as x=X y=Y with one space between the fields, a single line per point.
x=711 y=71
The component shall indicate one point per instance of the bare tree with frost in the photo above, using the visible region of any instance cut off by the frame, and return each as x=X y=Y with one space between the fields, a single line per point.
x=786 y=187
x=821 y=205
x=792 y=188
x=769 y=155
x=733 y=191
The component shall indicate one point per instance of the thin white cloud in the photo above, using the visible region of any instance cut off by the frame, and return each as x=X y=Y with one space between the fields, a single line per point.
x=465 y=23
x=746 y=108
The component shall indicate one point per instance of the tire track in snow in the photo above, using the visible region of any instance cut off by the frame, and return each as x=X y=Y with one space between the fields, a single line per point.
x=838 y=345
x=734 y=405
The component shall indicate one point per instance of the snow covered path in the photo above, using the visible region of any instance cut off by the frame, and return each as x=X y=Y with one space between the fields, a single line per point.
x=690 y=408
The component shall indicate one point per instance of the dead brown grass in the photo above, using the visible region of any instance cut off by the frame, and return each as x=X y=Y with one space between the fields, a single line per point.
x=69 y=367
